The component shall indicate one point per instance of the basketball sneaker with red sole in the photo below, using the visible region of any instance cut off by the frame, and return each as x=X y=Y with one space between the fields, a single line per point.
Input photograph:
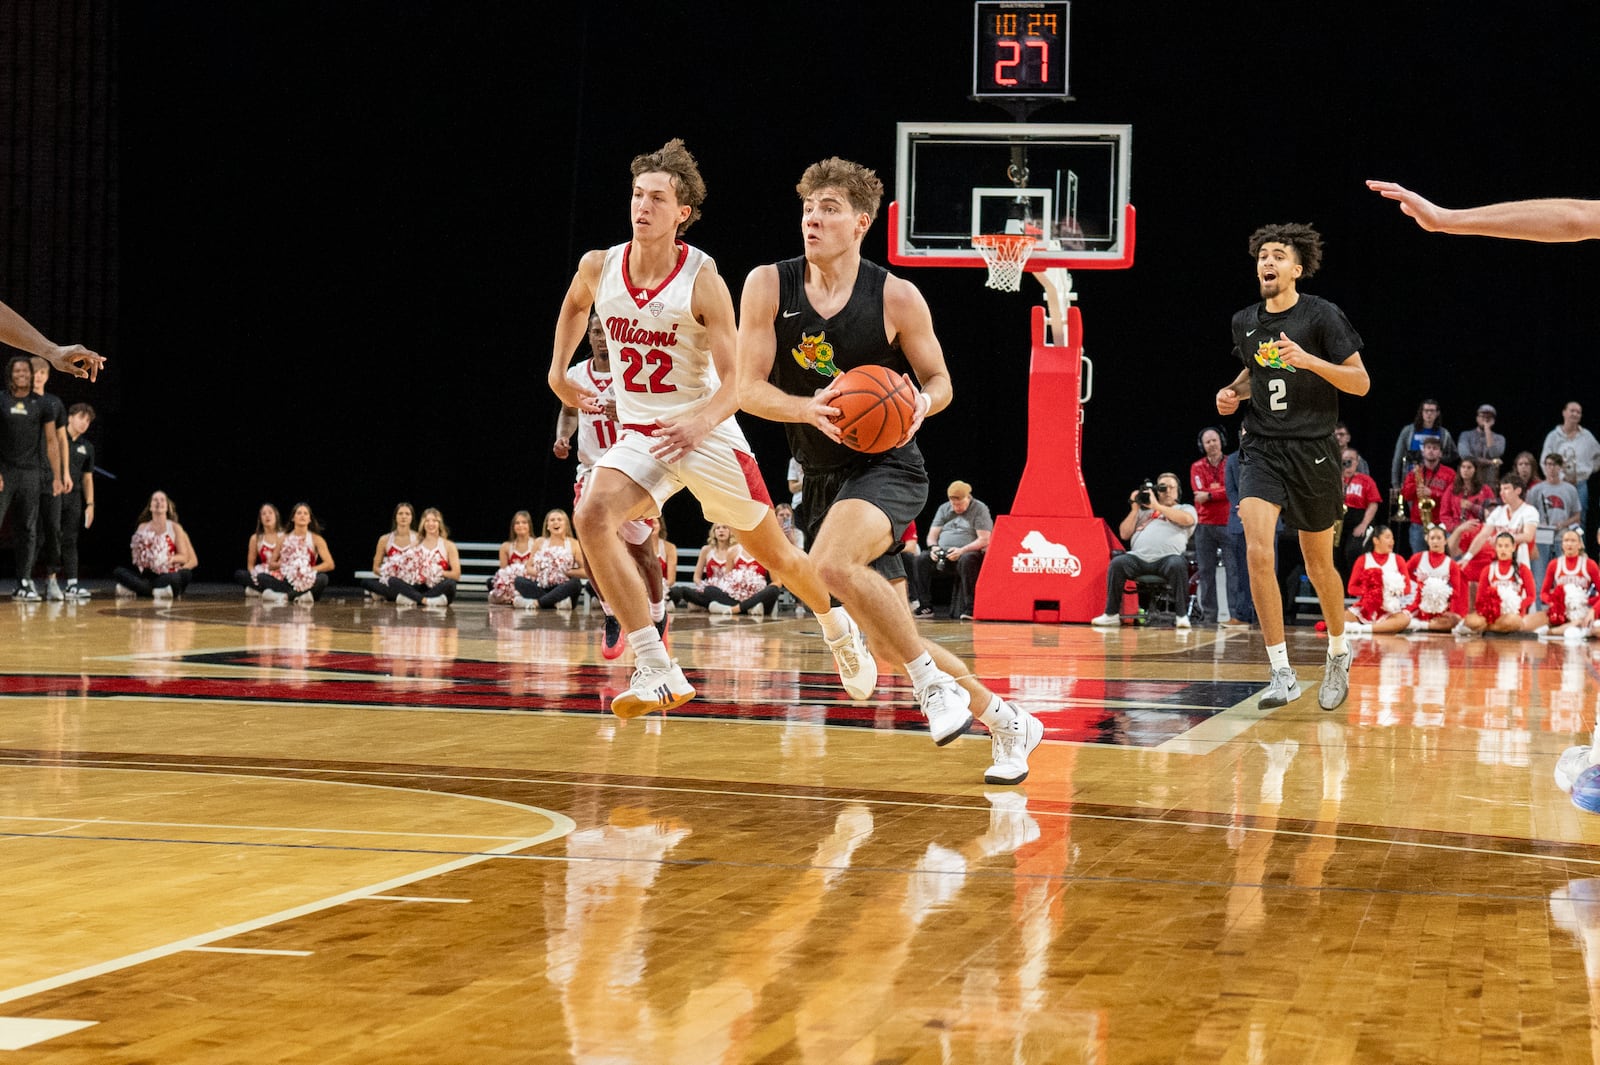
x=612 y=639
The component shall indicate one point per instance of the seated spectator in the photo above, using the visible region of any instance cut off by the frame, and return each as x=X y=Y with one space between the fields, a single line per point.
x=427 y=572
x=957 y=541
x=1408 y=446
x=1505 y=592
x=1514 y=518
x=1207 y=476
x=556 y=570
x=301 y=563
x=726 y=579
x=263 y=542
x=1424 y=490
x=1570 y=591
x=1382 y=587
x=1483 y=445
x=1157 y=531
x=785 y=514
x=1361 y=501
x=163 y=559
x=1559 y=508
x=1341 y=436
x=515 y=554
x=1469 y=498
x=386 y=558
x=1441 y=600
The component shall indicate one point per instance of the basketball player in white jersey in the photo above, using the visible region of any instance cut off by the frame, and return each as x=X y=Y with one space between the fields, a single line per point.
x=596 y=432
x=670 y=329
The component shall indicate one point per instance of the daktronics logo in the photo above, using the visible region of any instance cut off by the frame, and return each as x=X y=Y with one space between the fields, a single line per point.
x=1042 y=556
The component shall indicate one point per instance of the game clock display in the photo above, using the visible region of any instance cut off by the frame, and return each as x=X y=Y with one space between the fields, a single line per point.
x=1020 y=49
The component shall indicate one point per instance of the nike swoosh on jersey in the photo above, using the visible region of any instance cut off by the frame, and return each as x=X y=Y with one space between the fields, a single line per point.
x=790 y=314
x=1251 y=333
x=1323 y=459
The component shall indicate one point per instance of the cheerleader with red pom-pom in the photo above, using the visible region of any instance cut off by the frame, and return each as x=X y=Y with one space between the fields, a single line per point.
x=556 y=569
x=427 y=573
x=1505 y=592
x=163 y=559
x=1441 y=600
x=302 y=561
x=400 y=538
x=1571 y=590
x=515 y=554
x=1382 y=587
x=727 y=580
x=258 y=559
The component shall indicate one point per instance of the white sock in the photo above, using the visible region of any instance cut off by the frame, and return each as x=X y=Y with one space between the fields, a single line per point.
x=1336 y=644
x=658 y=609
x=996 y=714
x=1278 y=656
x=648 y=650
x=922 y=671
x=833 y=623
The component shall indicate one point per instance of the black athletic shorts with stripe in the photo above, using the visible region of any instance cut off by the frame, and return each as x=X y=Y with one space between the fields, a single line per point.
x=895 y=482
x=1299 y=476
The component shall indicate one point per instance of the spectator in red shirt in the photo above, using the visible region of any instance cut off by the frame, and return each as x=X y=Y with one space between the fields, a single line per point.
x=1361 y=502
x=1427 y=482
x=1211 y=509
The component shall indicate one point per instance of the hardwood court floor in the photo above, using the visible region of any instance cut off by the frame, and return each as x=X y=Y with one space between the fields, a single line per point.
x=342 y=834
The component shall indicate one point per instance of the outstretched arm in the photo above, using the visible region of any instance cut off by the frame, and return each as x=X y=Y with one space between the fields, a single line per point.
x=74 y=359
x=1551 y=221
x=571 y=324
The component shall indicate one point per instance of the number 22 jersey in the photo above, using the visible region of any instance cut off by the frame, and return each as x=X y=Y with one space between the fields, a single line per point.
x=1287 y=403
x=660 y=355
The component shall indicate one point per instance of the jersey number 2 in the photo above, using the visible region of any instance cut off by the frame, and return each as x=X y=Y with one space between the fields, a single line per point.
x=660 y=363
x=1279 y=389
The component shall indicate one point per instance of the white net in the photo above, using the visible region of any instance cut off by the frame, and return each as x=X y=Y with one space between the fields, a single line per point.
x=1006 y=254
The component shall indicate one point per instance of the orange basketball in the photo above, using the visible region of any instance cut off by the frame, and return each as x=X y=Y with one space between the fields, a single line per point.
x=876 y=406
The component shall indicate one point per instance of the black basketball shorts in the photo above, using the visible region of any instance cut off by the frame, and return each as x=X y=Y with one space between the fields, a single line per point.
x=895 y=482
x=1300 y=476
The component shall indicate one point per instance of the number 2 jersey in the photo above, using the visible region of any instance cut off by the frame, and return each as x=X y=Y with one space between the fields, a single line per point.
x=1287 y=403
x=660 y=355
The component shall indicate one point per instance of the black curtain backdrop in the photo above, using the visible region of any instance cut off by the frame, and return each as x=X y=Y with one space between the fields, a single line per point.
x=341 y=232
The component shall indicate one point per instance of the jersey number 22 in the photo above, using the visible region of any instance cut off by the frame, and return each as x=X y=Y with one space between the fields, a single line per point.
x=660 y=363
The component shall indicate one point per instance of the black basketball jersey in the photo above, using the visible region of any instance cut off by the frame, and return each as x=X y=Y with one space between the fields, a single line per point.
x=54 y=411
x=813 y=350
x=1287 y=403
x=22 y=432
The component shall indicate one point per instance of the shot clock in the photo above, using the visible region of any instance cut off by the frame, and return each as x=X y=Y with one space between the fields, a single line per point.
x=1020 y=50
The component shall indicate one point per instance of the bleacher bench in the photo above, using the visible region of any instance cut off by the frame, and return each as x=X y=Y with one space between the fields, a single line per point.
x=480 y=559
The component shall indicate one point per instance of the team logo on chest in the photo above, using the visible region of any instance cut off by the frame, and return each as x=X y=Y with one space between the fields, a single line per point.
x=815 y=353
x=655 y=308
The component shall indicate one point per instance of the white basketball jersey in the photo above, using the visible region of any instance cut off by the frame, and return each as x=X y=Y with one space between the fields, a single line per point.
x=660 y=356
x=596 y=432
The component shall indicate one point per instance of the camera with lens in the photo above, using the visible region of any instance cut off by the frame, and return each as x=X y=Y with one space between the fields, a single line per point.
x=1147 y=493
x=941 y=557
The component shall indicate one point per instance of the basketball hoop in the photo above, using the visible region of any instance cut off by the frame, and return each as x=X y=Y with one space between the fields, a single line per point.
x=1005 y=254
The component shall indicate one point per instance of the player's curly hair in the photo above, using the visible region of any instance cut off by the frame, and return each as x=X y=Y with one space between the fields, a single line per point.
x=858 y=183
x=1306 y=242
x=675 y=161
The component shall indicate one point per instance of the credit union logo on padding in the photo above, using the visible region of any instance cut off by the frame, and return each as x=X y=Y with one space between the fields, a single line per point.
x=1044 y=557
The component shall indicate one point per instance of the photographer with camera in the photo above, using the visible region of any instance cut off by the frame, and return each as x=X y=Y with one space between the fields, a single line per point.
x=1157 y=530
x=957 y=541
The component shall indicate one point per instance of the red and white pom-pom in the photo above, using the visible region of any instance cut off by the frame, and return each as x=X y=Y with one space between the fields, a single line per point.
x=1396 y=591
x=504 y=586
x=1435 y=596
x=1369 y=604
x=404 y=566
x=294 y=563
x=430 y=568
x=1489 y=605
x=741 y=582
x=150 y=552
x=549 y=566
x=391 y=566
x=1576 y=599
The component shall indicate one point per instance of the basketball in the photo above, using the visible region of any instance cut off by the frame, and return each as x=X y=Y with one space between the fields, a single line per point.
x=876 y=406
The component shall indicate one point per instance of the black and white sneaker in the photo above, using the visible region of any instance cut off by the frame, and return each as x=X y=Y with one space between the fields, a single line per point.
x=27 y=593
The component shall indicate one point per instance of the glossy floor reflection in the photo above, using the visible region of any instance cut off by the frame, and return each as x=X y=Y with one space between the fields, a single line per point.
x=349 y=834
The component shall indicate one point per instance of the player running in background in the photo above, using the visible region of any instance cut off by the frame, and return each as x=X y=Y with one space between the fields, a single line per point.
x=669 y=322
x=1299 y=352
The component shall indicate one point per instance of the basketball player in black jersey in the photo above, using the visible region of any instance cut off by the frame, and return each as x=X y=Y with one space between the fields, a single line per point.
x=1299 y=352
x=804 y=321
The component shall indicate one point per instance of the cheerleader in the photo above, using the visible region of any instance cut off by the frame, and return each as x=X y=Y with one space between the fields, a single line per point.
x=1505 y=591
x=1382 y=586
x=427 y=573
x=163 y=559
x=555 y=568
x=269 y=530
x=727 y=580
x=1571 y=589
x=386 y=557
x=301 y=562
x=1441 y=589
x=515 y=554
